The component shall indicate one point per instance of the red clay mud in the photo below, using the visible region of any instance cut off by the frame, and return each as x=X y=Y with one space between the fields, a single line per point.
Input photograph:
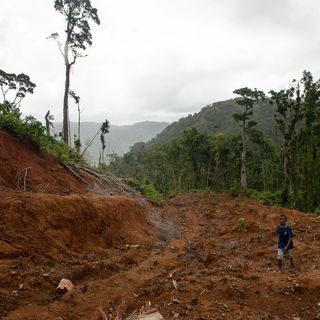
x=188 y=259
x=45 y=174
x=220 y=271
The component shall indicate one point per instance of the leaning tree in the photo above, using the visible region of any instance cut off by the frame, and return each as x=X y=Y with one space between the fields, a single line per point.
x=77 y=13
x=104 y=129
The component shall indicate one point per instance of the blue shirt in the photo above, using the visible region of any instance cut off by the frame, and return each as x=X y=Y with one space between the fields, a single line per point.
x=285 y=233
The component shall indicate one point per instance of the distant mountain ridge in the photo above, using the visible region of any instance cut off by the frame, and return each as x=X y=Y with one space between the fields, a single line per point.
x=118 y=140
x=218 y=117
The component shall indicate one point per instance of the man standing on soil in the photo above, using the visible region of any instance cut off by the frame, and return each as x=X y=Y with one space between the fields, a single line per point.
x=285 y=243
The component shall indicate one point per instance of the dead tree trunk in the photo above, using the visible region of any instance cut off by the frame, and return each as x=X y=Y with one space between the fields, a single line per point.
x=47 y=122
x=66 y=105
x=79 y=122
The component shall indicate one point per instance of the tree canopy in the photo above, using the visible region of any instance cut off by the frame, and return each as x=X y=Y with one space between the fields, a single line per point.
x=14 y=87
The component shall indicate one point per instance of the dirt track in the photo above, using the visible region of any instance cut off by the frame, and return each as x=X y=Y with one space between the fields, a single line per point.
x=220 y=272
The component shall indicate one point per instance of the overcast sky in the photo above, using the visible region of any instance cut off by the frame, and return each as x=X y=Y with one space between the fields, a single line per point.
x=161 y=59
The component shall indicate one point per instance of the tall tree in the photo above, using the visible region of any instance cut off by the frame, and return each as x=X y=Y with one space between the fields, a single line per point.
x=197 y=146
x=77 y=13
x=217 y=150
x=248 y=98
x=289 y=113
x=308 y=145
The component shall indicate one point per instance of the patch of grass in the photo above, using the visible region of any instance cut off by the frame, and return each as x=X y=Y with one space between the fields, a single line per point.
x=40 y=188
x=262 y=233
x=243 y=224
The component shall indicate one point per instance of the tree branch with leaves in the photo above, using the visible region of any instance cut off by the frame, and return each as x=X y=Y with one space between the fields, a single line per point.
x=17 y=84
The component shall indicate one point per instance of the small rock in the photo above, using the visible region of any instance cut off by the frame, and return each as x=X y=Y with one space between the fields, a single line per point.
x=194 y=300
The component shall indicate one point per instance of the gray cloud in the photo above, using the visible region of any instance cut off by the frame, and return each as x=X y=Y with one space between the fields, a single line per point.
x=160 y=60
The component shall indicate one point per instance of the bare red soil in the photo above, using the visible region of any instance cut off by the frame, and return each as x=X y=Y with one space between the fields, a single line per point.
x=53 y=227
x=192 y=261
x=45 y=174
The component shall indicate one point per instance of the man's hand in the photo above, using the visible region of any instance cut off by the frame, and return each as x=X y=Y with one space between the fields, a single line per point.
x=285 y=249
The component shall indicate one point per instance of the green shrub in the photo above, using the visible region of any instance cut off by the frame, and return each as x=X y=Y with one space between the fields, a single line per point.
x=242 y=224
x=30 y=130
x=147 y=189
x=266 y=197
x=234 y=189
x=317 y=211
x=262 y=233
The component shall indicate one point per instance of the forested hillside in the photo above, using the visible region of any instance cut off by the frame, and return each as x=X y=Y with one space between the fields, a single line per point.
x=119 y=138
x=266 y=146
x=217 y=117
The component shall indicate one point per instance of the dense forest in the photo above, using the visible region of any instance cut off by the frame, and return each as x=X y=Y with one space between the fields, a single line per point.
x=218 y=116
x=283 y=171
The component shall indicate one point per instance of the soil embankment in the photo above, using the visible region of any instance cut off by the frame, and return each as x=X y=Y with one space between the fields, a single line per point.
x=44 y=173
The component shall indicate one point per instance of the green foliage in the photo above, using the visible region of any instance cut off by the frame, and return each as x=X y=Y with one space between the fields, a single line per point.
x=195 y=162
x=105 y=127
x=77 y=143
x=104 y=130
x=147 y=189
x=218 y=117
x=31 y=130
x=17 y=84
x=234 y=189
x=262 y=233
x=59 y=149
x=77 y=14
x=266 y=197
x=75 y=97
x=298 y=120
x=178 y=166
x=317 y=211
x=243 y=224
x=247 y=100
x=199 y=152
